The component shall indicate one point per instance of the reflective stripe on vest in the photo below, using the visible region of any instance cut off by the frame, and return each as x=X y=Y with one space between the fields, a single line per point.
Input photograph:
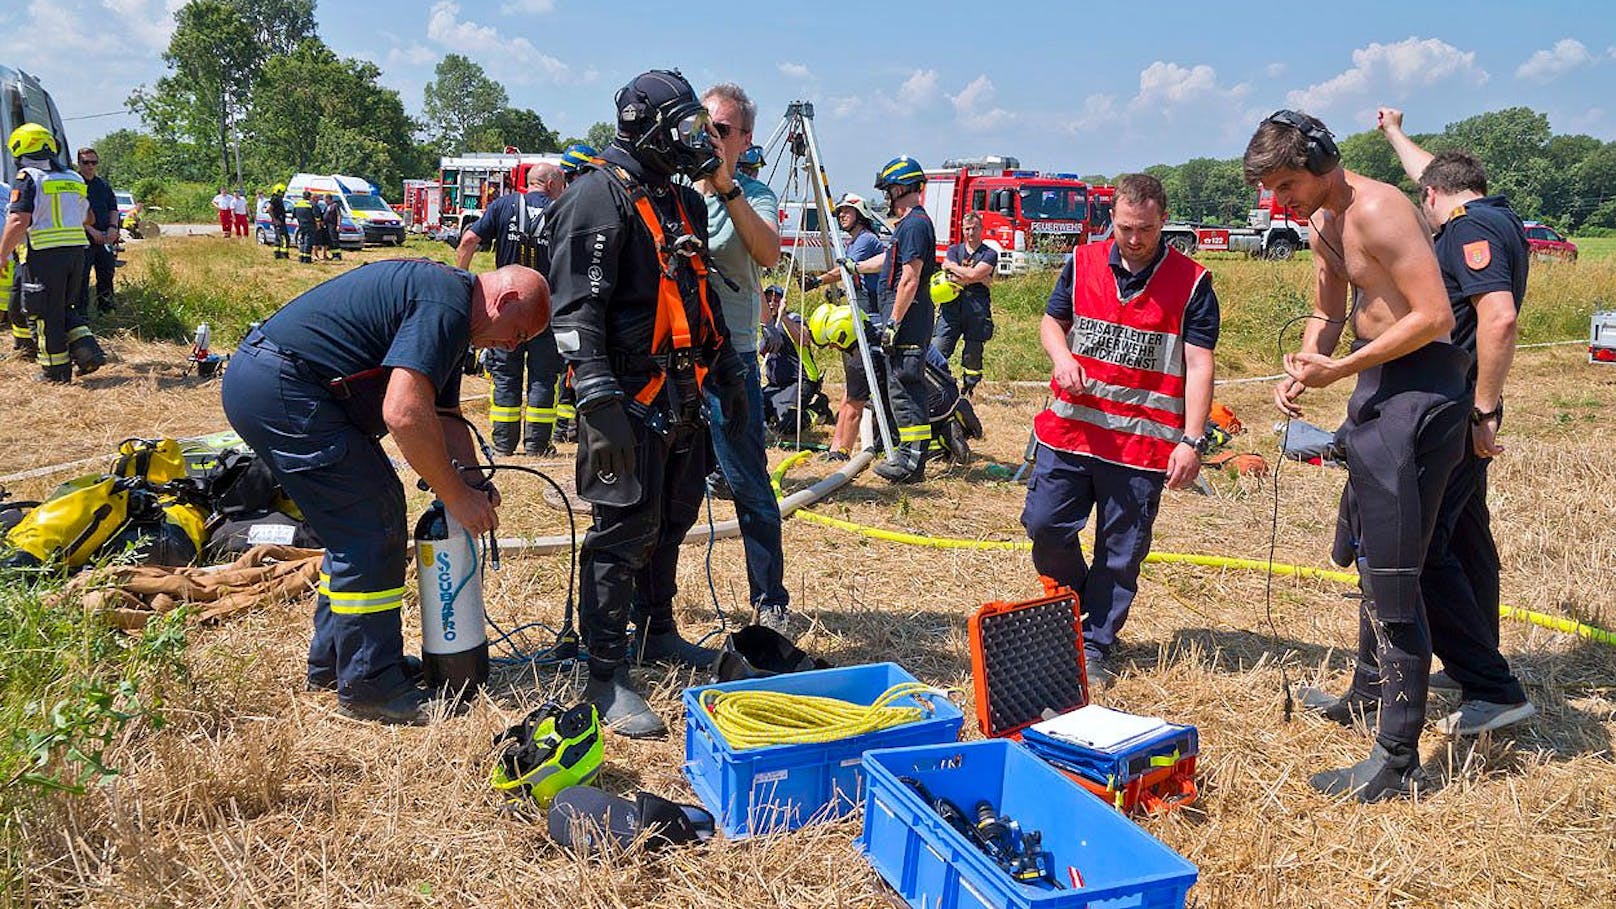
x=672 y=330
x=60 y=220
x=1131 y=409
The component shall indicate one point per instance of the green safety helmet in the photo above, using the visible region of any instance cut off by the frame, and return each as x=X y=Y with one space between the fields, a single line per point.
x=551 y=749
x=30 y=139
x=943 y=288
x=831 y=325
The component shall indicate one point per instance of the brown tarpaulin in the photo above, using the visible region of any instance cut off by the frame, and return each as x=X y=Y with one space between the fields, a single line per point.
x=264 y=575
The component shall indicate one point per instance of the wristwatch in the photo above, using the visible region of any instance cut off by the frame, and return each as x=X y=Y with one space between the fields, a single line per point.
x=733 y=194
x=1477 y=416
x=1198 y=444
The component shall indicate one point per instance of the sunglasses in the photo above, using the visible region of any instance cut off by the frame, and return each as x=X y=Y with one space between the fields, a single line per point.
x=89 y=160
x=724 y=129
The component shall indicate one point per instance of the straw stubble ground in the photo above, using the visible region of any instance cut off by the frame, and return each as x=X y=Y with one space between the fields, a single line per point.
x=258 y=794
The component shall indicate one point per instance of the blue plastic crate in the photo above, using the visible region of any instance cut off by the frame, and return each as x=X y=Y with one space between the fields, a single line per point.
x=782 y=787
x=933 y=866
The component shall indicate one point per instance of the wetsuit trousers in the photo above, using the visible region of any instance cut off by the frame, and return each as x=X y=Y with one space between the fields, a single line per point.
x=1407 y=423
x=630 y=556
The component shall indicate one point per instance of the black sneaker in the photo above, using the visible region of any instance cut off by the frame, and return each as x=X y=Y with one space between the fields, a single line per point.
x=326 y=679
x=410 y=707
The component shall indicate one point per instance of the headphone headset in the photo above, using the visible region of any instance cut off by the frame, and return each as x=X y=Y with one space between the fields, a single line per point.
x=1322 y=152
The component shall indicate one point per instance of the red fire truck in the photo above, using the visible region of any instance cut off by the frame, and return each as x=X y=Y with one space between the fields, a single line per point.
x=1272 y=232
x=1032 y=218
x=422 y=199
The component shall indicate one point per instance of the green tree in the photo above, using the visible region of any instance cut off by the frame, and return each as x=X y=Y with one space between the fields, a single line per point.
x=213 y=62
x=314 y=111
x=519 y=127
x=460 y=102
x=278 y=26
x=1370 y=154
x=1594 y=182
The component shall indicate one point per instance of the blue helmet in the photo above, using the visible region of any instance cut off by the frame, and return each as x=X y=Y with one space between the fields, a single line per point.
x=900 y=171
x=575 y=157
x=752 y=157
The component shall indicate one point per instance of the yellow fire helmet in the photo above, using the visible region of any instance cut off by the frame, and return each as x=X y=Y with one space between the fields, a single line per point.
x=943 y=288
x=831 y=325
x=30 y=139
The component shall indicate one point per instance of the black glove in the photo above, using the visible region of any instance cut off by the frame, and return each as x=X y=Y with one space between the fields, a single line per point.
x=607 y=440
x=886 y=334
x=810 y=283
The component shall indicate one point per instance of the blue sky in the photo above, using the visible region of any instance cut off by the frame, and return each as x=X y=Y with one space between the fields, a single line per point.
x=1062 y=86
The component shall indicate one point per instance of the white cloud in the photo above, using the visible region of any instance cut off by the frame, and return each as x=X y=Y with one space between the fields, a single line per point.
x=1275 y=70
x=1390 y=69
x=527 y=6
x=795 y=71
x=412 y=54
x=513 y=59
x=1547 y=65
x=1168 y=89
x=1098 y=112
x=973 y=106
x=920 y=88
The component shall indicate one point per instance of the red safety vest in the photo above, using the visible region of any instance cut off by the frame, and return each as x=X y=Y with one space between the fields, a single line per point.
x=672 y=330
x=1131 y=409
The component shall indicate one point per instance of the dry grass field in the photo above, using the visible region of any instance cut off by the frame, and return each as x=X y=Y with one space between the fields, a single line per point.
x=255 y=793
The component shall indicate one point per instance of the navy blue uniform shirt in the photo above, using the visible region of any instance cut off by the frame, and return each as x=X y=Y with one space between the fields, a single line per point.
x=411 y=313
x=103 y=202
x=497 y=218
x=984 y=253
x=914 y=239
x=867 y=246
x=1481 y=249
x=1200 y=315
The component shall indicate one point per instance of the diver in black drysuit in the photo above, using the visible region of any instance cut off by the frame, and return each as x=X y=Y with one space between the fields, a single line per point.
x=1406 y=428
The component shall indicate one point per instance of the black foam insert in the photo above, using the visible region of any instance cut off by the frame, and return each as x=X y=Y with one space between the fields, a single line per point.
x=1030 y=657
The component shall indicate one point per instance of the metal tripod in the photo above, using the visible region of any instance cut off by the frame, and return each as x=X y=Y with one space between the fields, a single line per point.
x=795 y=133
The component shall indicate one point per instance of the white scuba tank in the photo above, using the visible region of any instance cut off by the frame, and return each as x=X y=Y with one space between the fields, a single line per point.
x=454 y=632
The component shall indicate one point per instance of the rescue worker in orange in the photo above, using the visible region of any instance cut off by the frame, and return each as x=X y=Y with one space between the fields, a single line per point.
x=1130 y=328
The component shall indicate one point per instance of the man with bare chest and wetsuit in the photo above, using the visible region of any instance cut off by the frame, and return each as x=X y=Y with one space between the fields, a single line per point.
x=1405 y=430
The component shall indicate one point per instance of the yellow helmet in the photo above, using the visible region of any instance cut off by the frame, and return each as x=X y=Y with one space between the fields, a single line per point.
x=831 y=325
x=31 y=139
x=280 y=187
x=943 y=288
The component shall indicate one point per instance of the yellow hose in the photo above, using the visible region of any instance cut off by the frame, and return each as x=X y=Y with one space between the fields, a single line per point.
x=1544 y=620
x=757 y=719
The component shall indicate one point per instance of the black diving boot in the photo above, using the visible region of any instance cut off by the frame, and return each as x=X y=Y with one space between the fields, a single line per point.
x=623 y=709
x=1383 y=775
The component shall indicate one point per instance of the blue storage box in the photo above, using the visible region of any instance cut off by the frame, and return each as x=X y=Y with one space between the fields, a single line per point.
x=1102 y=859
x=782 y=787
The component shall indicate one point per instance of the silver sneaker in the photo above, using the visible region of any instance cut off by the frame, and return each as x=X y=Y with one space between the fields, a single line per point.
x=1441 y=681
x=775 y=618
x=1476 y=717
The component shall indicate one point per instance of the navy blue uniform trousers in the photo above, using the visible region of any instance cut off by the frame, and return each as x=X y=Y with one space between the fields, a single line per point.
x=539 y=363
x=350 y=494
x=1063 y=489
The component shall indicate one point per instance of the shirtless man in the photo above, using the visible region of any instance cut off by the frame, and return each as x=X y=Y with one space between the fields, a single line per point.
x=1405 y=429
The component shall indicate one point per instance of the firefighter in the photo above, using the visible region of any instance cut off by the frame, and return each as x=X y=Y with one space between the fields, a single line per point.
x=970 y=265
x=375 y=350
x=49 y=215
x=303 y=212
x=277 y=218
x=574 y=158
x=790 y=369
x=1406 y=427
x=514 y=223
x=1130 y=328
x=907 y=314
x=331 y=221
x=637 y=324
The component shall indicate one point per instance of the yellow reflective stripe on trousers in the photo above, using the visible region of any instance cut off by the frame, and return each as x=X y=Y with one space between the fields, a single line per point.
x=502 y=414
x=566 y=412
x=914 y=433
x=21 y=331
x=79 y=333
x=540 y=414
x=360 y=602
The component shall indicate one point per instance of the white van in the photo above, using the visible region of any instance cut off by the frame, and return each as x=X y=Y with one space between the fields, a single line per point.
x=362 y=204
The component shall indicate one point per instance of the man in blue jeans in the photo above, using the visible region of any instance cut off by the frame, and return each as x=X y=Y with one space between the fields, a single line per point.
x=744 y=234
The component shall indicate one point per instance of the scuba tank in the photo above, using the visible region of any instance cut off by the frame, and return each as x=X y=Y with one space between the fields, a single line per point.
x=454 y=633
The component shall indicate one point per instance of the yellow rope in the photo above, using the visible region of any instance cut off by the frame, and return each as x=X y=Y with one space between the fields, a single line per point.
x=1543 y=620
x=756 y=719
